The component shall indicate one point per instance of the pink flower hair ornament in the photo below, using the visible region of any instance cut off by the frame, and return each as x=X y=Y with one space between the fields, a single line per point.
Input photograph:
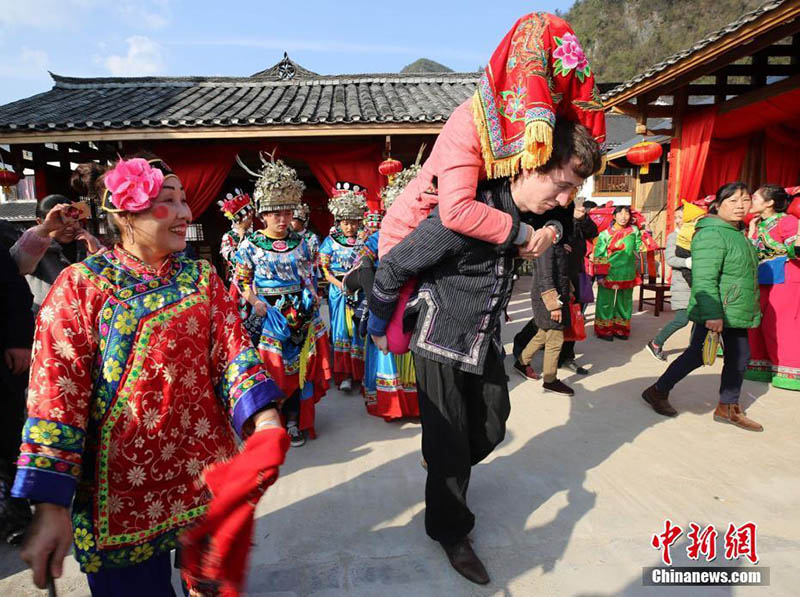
x=132 y=185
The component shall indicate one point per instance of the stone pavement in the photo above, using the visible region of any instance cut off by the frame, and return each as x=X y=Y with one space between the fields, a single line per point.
x=567 y=505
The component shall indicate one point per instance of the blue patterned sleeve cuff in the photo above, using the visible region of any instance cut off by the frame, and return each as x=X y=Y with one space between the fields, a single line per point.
x=376 y=326
x=253 y=400
x=44 y=486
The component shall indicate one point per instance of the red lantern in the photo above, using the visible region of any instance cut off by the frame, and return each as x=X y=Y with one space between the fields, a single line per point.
x=390 y=167
x=8 y=178
x=643 y=154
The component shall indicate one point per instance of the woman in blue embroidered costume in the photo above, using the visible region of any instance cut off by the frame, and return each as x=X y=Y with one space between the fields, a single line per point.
x=274 y=272
x=239 y=210
x=390 y=385
x=142 y=376
x=337 y=254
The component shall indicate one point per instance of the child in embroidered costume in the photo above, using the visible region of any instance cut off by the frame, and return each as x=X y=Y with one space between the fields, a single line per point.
x=300 y=225
x=274 y=272
x=337 y=254
x=141 y=377
x=775 y=344
x=615 y=258
x=390 y=387
x=239 y=210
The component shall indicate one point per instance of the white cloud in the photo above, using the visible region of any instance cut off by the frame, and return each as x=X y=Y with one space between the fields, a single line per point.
x=30 y=64
x=145 y=57
x=139 y=14
x=43 y=14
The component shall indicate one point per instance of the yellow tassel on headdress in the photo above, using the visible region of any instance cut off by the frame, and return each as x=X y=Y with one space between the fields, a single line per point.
x=538 y=145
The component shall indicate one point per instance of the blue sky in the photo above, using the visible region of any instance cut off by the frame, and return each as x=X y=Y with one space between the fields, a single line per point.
x=96 y=38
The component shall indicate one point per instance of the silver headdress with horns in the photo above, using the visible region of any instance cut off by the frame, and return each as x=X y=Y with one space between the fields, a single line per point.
x=277 y=187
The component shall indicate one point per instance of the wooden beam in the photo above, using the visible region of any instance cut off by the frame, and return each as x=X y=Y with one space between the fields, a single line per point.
x=760 y=94
x=626 y=108
x=670 y=132
x=711 y=89
x=721 y=84
x=770 y=70
x=249 y=132
x=767 y=29
x=758 y=76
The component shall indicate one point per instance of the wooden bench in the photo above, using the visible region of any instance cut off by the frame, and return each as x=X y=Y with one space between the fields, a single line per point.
x=654 y=281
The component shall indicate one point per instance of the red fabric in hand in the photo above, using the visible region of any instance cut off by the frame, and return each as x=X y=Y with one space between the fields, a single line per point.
x=214 y=552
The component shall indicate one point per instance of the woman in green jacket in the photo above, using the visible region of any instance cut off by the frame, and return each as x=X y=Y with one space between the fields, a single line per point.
x=724 y=299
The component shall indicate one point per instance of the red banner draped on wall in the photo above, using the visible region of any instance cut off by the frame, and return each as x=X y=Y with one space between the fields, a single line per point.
x=201 y=168
x=782 y=149
x=694 y=144
x=724 y=163
x=332 y=162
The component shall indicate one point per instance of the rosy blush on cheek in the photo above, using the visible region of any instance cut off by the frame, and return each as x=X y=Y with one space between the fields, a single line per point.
x=160 y=212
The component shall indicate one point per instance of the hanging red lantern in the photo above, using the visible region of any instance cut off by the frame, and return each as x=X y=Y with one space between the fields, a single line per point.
x=390 y=167
x=643 y=154
x=8 y=178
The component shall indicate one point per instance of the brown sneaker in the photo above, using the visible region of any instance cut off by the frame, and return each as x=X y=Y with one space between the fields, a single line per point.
x=559 y=387
x=733 y=414
x=466 y=562
x=525 y=371
x=659 y=401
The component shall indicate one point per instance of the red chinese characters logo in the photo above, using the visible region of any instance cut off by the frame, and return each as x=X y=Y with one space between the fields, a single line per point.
x=702 y=542
x=741 y=542
x=665 y=540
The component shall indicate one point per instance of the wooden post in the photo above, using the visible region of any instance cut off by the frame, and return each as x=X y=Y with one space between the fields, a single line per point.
x=680 y=101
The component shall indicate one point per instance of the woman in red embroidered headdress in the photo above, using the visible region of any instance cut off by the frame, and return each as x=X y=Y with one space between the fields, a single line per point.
x=142 y=376
x=537 y=73
x=615 y=257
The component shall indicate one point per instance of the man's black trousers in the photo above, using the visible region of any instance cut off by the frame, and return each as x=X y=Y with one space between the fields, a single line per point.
x=463 y=418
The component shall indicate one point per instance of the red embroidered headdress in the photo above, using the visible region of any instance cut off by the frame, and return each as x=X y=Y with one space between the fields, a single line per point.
x=538 y=72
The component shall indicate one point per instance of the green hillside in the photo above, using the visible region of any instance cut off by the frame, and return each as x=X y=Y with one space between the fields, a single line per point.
x=622 y=38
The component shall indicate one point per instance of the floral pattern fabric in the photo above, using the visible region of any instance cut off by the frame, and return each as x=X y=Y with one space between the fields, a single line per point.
x=139 y=380
x=538 y=72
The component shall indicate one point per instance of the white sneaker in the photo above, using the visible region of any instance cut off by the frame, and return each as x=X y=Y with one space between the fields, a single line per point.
x=346 y=385
x=296 y=437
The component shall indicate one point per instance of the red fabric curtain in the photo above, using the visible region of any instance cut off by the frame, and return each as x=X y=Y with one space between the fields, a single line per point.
x=694 y=141
x=352 y=162
x=201 y=168
x=782 y=152
x=724 y=163
x=778 y=110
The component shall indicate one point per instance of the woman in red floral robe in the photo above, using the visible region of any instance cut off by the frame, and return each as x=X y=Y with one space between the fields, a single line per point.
x=141 y=377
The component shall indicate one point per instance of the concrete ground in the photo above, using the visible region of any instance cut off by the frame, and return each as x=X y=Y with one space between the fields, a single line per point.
x=567 y=505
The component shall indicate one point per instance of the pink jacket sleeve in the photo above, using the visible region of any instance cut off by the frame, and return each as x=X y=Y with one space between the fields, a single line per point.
x=460 y=166
x=29 y=250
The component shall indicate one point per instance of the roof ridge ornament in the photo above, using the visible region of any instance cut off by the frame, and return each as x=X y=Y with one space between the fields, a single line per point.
x=286 y=70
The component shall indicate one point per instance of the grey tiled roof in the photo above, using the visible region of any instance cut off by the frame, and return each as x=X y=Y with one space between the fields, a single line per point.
x=18 y=211
x=285 y=94
x=746 y=18
x=176 y=102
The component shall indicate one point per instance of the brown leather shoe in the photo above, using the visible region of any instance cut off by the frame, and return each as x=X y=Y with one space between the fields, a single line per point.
x=659 y=401
x=733 y=414
x=466 y=562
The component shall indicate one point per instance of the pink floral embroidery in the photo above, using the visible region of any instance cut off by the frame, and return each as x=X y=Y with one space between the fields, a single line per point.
x=569 y=55
x=133 y=184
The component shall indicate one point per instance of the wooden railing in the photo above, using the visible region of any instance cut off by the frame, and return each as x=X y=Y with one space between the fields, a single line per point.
x=613 y=183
